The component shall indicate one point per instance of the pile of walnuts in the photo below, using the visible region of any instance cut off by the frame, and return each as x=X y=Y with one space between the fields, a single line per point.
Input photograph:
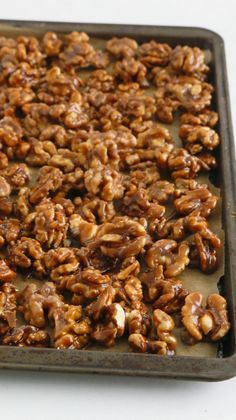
x=93 y=228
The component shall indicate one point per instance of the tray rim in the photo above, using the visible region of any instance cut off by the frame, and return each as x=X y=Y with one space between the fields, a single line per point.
x=179 y=367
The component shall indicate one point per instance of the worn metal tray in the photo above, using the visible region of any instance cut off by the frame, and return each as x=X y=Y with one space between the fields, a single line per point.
x=188 y=367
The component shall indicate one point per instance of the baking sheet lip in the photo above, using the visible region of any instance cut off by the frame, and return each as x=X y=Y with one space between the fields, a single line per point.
x=185 y=366
x=202 y=31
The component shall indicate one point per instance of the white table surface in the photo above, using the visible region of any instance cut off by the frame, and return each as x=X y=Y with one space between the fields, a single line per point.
x=43 y=396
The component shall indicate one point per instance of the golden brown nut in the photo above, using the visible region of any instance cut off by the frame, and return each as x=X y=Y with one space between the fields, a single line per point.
x=141 y=344
x=7 y=307
x=217 y=306
x=26 y=336
x=168 y=253
x=113 y=327
x=206 y=118
x=154 y=54
x=189 y=60
x=6 y=273
x=164 y=325
x=197 y=137
x=35 y=302
x=125 y=47
x=49 y=180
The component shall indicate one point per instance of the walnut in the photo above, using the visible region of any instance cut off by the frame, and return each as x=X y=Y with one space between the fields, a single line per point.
x=124 y=47
x=72 y=330
x=130 y=69
x=5 y=188
x=9 y=230
x=77 y=51
x=129 y=290
x=206 y=118
x=164 y=325
x=216 y=305
x=171 y=296
x=200 y=321
x=200 y=200
x=160 y=191
x=7 y=307
x=48 y=223
x=88 y=284
x=49 y=180
x=40 y=152
x=113 y=326
x=81 y=229
x=73 y=180
x=152 y=282
x=26 y=336
x=55 y=133
x=203 y=255
x=138 y=320
x=35 y=302
x=135 y=105
x=3 y=160
x=95 y=209
x=122 y=238
x=189 y=60
x=98 y=308
x=104 y=181
x=22 y=204
x=170 y=254
x=17 y=175
x=183 y=165
x=25 y=252
x=6 y=273
x=141 y=344
x=197 y=137
x=51 y=44
x=65 y=160
x=101 y=81
x=144 y=174
x=61 y=264
x=154 y=54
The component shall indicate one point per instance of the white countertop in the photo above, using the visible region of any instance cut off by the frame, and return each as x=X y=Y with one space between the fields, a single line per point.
x=44 y=396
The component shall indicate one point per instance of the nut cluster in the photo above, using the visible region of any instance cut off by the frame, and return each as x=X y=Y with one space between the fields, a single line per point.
x=86 y=174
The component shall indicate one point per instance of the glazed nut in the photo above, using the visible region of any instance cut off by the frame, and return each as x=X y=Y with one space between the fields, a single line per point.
x=26 y=336
x=164 y=325
x=141 y=344
x=113 y=327
x=6 y=273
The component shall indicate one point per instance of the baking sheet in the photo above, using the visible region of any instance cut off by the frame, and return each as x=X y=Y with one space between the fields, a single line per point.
x=193 y=279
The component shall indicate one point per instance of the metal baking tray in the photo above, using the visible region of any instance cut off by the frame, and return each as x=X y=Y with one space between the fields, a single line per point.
x=124 y=363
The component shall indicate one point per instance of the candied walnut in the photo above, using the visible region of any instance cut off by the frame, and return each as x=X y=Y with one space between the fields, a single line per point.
x=49 y=180
x=22 y=204
x=88 y=284
x=197 y=137
x=206 y=118
x=160 y=191
x=124 y=47
x=81 y=229
x=200 y=200
x=200 y=321
x=100 y=81
x=154 y=54
x=203 y=255
x=164 y=325
x=189 y=60
x=34 y=302
x=165 y=108
x=138 y=320
x=73 y=180
x=135 y=105
x=77 y=50
x=144 y=174
x=5 y=188
x=19 y=96
x=171 y=296
x=183 y=165
x=105 y=181
x=113 y=326
x=122 y=238
x=141 y=344
x=26 y=336
x=48 y=223
x=72 y=329
x=9 y=230
x=170 y=254
x=65 y=160
x=151 y=281
x=25 y=252
x=40 y=152
x=3 y=160
x=128 y=290
x=98 y=308
x=17 y=175
x=55 y=133
x=6 y=273
x=95 y=210
x=129 y=70
x=61 y=264
x=28 y=49
x=216 y=305
x=7 y=307
x=51 y=44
